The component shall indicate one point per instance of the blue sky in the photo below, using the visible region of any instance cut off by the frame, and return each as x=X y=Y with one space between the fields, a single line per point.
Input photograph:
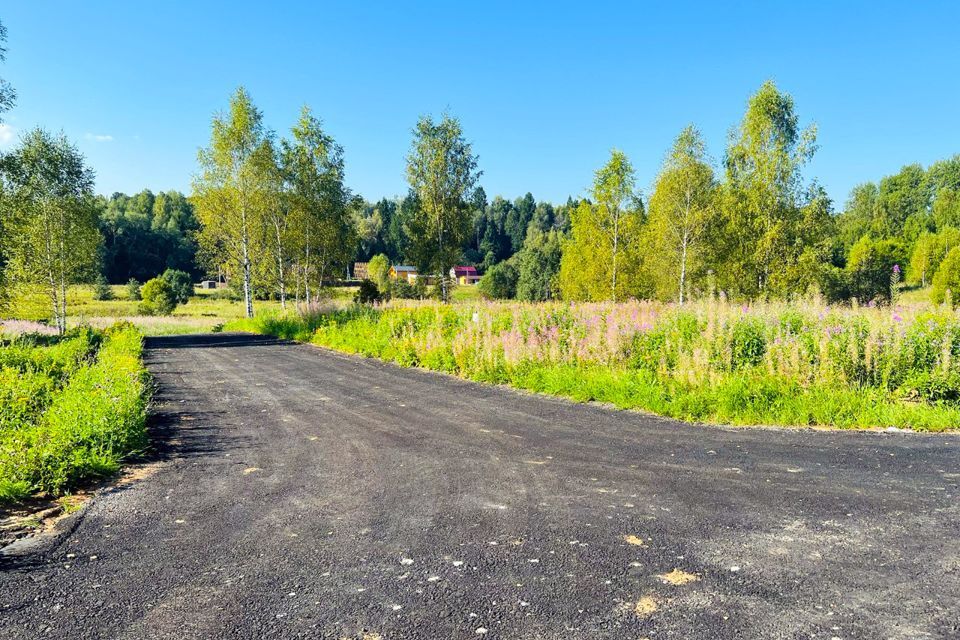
x=544 y=90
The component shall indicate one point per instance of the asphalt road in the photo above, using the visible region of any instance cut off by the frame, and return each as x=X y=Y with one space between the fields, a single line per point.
x=300 y=493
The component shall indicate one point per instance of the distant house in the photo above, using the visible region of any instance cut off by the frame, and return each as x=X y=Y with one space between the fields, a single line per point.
x=465 y=275
x=403 y=272
x=361 y=270
x=220 y=282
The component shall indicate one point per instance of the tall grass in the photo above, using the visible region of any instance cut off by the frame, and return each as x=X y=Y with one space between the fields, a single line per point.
x=70 y=410
x=772 y=363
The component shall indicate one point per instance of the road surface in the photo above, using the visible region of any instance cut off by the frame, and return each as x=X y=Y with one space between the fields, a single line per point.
x=299 y=493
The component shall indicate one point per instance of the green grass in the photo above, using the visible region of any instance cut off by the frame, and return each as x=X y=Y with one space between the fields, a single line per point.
x=465 y=293
x=777 y=364
x=73 y=408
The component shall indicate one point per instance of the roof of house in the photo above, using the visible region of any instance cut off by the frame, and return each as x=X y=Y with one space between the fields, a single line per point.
x=465 y=271
x=404 y=267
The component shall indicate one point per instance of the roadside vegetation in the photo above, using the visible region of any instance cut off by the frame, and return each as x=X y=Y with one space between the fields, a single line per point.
x=72 y=407
x=712 y=361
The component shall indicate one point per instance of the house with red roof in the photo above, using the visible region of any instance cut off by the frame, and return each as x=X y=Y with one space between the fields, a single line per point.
x=465 y=275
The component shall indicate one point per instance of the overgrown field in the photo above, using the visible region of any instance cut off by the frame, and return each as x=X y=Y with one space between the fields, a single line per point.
x=70 y=408
x=798 y=364
x=206 y=311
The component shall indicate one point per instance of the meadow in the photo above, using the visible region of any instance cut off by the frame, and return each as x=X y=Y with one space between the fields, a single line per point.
x=799 y=364
x=206 y=311
x=71 y=408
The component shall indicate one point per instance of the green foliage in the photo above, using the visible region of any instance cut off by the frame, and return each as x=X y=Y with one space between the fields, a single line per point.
x=946 y=283
x=602 y=256
x=320 y=237
x=682 y=207
x=870 y=266
x=403 y=290
x=101 y=289
x=499 y=282
x=367 y=293
x=181 y=285
x=65 y=417
x=379 y=270
x=231 y=193
x=538 y=266
x=158 y=298
x=764 y=232
x=8 y=96
x=442 y=171
x=146 y=233
x=929 y=251
x=900 y=197
x=748 y=343
x=52 y=217
x=133 y=290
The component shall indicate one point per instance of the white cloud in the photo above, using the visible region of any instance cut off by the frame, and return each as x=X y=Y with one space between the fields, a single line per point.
x=99 y=137
x=8 y=134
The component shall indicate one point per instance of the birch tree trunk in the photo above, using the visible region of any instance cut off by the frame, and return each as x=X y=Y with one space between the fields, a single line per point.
x=616 y=243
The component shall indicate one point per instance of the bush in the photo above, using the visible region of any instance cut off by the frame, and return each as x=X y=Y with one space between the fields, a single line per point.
x=367 y=293
x=133 y=289
x=181 y=285
x=747 y=343
x=947 y=279
x=101 y=289
x=158 y=298
x=870 y=267
x=500 y=282
x=405 y=291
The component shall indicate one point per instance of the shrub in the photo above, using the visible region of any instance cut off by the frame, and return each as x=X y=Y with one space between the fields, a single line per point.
x=367 y=293
x=405 y=291
x=747 y=343
x=499 y=282
x=158 y=298
x=133 y=289
x=101 y=289
x=181 y=285
x=870 y=266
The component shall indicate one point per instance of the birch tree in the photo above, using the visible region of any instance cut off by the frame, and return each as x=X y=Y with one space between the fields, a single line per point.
x=613 y=192
x=763 y=196
x=8 y=97
x=53 y=217
x=231 y=190
x=319 y=202
x=278 y=216
x=442 y=170
x=681 y=205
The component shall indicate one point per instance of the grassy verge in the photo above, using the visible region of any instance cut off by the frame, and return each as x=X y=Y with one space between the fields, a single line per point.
x=70 y=409
x=800 y=365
